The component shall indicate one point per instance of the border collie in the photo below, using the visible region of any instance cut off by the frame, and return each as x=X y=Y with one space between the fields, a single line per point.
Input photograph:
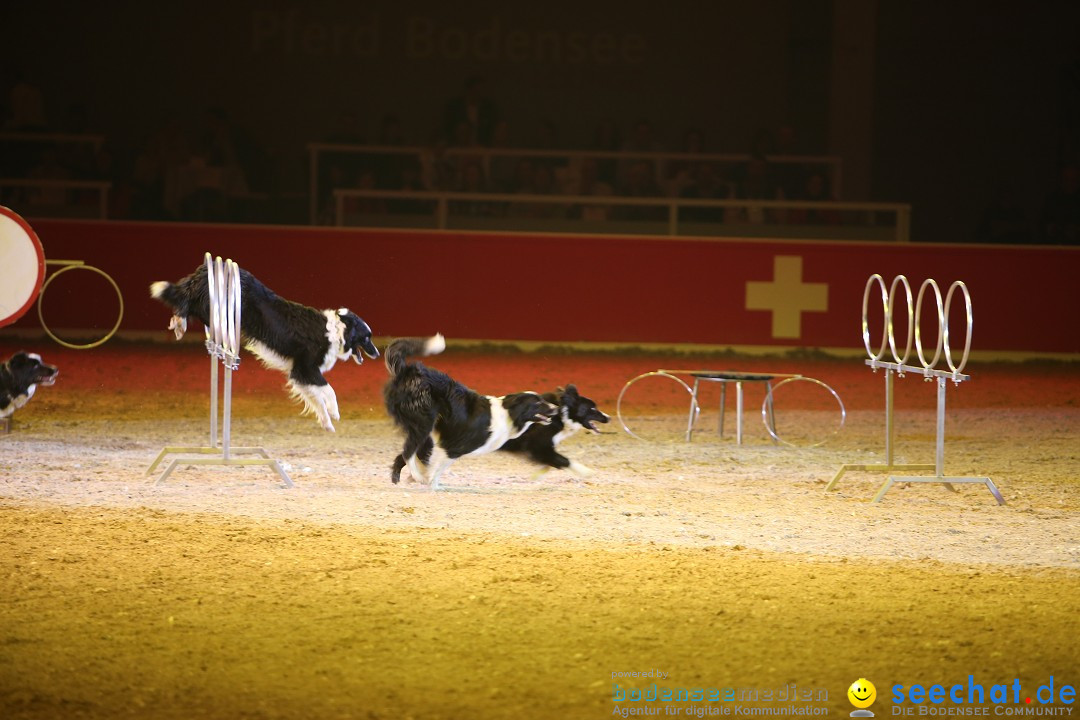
x=576 y=412
x=298 y=340
x=443 y=420
x=19 y=377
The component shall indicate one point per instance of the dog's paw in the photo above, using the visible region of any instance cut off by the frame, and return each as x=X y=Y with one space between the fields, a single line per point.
x=580 y=470
x=178 y=325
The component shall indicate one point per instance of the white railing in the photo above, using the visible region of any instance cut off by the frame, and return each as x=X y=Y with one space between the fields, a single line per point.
x=94 y=141
x=49 y=196
x=422 y=153
x=442 y=209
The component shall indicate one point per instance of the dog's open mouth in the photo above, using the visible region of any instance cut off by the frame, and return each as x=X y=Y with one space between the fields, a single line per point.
x=591 y=427
x=48 y=379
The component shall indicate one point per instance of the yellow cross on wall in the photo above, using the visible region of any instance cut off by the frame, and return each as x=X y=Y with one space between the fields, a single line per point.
x=787 y=296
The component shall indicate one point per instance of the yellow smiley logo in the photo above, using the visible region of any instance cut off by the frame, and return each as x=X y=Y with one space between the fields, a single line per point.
x=862 y=693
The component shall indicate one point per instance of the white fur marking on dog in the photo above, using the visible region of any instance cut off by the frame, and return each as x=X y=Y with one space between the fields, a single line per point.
x=335 y=340
x=314 y=398
x=569 y=427
x=502 y=427
x=268 y=357
x=435 y=344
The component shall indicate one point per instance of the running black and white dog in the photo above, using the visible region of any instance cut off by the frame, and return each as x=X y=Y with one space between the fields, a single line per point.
x=19 y=377
x=539 y=442
x=442 y=419
x=298 y=340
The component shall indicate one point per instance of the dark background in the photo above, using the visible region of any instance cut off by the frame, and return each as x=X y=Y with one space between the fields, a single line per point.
x=968 y=100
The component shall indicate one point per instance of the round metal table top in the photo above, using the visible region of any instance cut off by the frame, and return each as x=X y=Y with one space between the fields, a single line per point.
x=732 y=375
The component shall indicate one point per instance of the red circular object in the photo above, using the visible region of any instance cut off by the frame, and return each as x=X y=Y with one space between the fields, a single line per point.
x=35 y=243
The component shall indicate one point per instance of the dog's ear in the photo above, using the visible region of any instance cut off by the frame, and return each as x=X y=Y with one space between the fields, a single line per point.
x=571 y=391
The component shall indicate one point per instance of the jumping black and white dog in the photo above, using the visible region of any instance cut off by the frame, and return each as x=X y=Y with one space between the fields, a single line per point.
x=19 y=377
x=298 y=340
x=442 y=419
x=539 y=442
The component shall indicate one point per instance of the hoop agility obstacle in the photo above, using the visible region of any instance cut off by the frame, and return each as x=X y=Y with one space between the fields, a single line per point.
x=927 y=368
x=768 y=416
x=22 y=255
x=222 y=343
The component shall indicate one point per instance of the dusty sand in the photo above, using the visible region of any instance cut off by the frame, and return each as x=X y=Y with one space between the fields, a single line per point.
x=221 y=594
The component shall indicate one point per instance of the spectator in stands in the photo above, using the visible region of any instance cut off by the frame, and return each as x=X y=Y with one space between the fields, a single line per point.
x=757 y=184
x=535 y=179
x=26 y=106
x=411 y=178
x=641 y=183
x=454 y=163
x=364 y=206
x=640 y=140
x=472 y=181
x=1060 y=222
x=816 y=189
x=706 y=183
x=475 y=109
x=606 y=138
x=500 y=168
x=791 y=178
x=147 y=185
x=680 y=172
x=588 y=182
x=49 y=168
x=387 y=167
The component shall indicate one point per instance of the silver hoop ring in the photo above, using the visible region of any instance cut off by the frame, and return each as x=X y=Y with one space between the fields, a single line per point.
x=900 y=279
x=884 y=316
x=929 y=282
x=233 y=311
x=968 y=317
x=694 y=408
x=771 y=396
x=79 y=265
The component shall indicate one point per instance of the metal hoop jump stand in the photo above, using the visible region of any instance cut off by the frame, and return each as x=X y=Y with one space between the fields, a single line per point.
x=222 y=343
x=899 y=366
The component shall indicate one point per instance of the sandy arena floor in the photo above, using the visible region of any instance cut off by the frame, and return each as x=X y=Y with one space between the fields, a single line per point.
x=221 y=594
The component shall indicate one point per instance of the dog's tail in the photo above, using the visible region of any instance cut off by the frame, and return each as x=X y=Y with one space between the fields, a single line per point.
x=404 y=348
x=166 y=292
x=185 y=296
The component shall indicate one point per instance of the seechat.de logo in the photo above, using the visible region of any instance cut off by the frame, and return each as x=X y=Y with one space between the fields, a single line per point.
x=1009 y=698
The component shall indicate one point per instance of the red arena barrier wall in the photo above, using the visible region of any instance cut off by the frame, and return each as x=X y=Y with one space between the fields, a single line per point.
x=585 y=288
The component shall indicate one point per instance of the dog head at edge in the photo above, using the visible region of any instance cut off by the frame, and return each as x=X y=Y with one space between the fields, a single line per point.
x=529 y=407
x=27 y=370
x=580 y=409
x=357 y=337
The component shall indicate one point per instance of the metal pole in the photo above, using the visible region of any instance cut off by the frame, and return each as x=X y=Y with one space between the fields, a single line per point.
x=939 y=462
x=888 y=417
x=226 y=427
x=693 y=406
x=213 y=401
x=738 y=412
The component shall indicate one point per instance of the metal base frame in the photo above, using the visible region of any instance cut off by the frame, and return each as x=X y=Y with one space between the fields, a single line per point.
x=941 y=377
x=263 y=459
